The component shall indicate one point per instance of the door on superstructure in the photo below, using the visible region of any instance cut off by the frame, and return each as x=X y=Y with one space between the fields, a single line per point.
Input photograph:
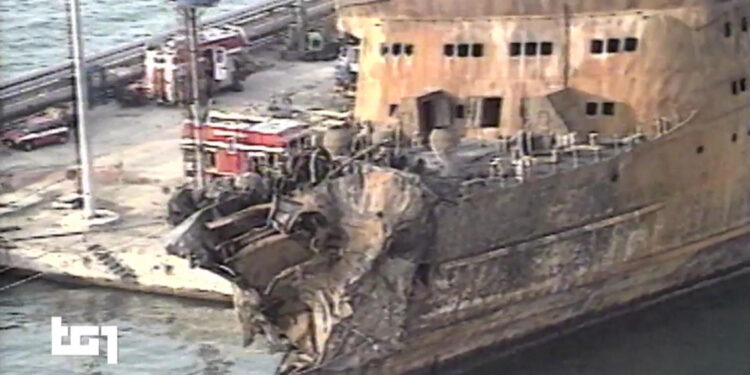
x=434 y=112
x=490 y=112
x=426 y=119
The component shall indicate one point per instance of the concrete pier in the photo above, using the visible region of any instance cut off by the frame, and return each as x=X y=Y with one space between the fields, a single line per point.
x=137 y=166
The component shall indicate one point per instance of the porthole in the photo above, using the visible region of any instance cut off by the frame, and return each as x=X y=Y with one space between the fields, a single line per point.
x=463 y=50
x=631 y=44
x=449 y=50
x=477 y=50
x=530 y=49
x=700 y=150
x=515 y=49
x=396 y=49
x=613 y=45
x=597 y=46
x=592 y=108
x=384 y=49
x=546 y=48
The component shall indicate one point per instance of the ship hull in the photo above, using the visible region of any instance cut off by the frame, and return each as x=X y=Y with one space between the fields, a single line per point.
x=508 y=263
x=410 y=277
x=472 y=341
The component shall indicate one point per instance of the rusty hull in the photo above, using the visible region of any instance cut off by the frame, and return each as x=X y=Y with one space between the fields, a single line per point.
x=380 y=270
x=385 y=269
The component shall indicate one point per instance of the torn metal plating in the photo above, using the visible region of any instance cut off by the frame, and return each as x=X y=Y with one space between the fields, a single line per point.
x=322 y=268
x=335 y=265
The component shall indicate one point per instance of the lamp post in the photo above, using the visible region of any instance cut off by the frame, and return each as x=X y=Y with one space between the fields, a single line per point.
x=191 y=31
x=301 y=20
x=79 y=65
x=188 y=8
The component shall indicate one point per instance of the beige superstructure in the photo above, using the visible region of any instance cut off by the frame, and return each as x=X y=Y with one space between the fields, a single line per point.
x=613 y=67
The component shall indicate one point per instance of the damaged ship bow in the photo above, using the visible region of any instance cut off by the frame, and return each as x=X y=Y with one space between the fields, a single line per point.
x=324 y=273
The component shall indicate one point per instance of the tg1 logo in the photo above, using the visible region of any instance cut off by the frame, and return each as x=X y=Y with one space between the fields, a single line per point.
x=76 y=333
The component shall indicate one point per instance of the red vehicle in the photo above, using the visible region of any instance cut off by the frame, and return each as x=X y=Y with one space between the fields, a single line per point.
x=37 y=132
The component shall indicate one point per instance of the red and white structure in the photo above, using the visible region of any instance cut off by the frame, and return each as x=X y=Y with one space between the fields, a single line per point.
x=166 y=69
x=234 y=143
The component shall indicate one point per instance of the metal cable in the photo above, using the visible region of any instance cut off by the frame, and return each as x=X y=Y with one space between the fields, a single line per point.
x=5 y=269
x=22 y=281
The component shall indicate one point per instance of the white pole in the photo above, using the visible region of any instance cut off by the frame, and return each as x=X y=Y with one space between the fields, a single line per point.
x=192 y=36
x=82 y=104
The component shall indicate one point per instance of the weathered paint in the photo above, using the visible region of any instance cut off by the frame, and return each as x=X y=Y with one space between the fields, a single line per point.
x=429 y=271
x=682 y=62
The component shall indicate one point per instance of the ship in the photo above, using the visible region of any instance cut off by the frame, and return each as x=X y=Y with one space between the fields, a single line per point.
x=510 y=166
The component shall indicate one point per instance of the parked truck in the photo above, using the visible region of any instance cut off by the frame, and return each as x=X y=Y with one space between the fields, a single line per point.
x=223 y=63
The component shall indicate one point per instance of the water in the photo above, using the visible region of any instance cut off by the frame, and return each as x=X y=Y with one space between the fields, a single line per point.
x=33 y=33
x=707 y=332
x=157 y=335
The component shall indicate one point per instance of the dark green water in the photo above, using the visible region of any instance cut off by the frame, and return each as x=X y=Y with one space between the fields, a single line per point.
x=157 y=335
x=707 y=332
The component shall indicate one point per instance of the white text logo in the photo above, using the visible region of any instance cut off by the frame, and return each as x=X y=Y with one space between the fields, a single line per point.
x=76 y=347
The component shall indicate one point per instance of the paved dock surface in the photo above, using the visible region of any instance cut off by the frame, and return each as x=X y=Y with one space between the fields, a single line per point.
x=138 y=164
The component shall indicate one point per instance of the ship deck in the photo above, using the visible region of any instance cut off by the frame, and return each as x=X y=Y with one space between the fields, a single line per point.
x=137 y=163
x=491 y=164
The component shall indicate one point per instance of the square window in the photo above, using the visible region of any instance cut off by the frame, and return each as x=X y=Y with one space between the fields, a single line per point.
x=546 y=48
x=608 y=108
x=392 y=109
x=515 y=49
x=449 y=50
x=592 y=108
x=743 y=85
x=530 y=49
x=477 y=50
x=613 y=45
x=597 y=46
x=408 y=49
x=396 y=49
x=384 y=49
x=463 y=50
x=460 y=111
x=631 y=44
x=728 y=29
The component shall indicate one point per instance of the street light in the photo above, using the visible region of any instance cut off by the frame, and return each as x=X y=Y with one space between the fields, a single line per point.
x=79 y=65
x=188 y=9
